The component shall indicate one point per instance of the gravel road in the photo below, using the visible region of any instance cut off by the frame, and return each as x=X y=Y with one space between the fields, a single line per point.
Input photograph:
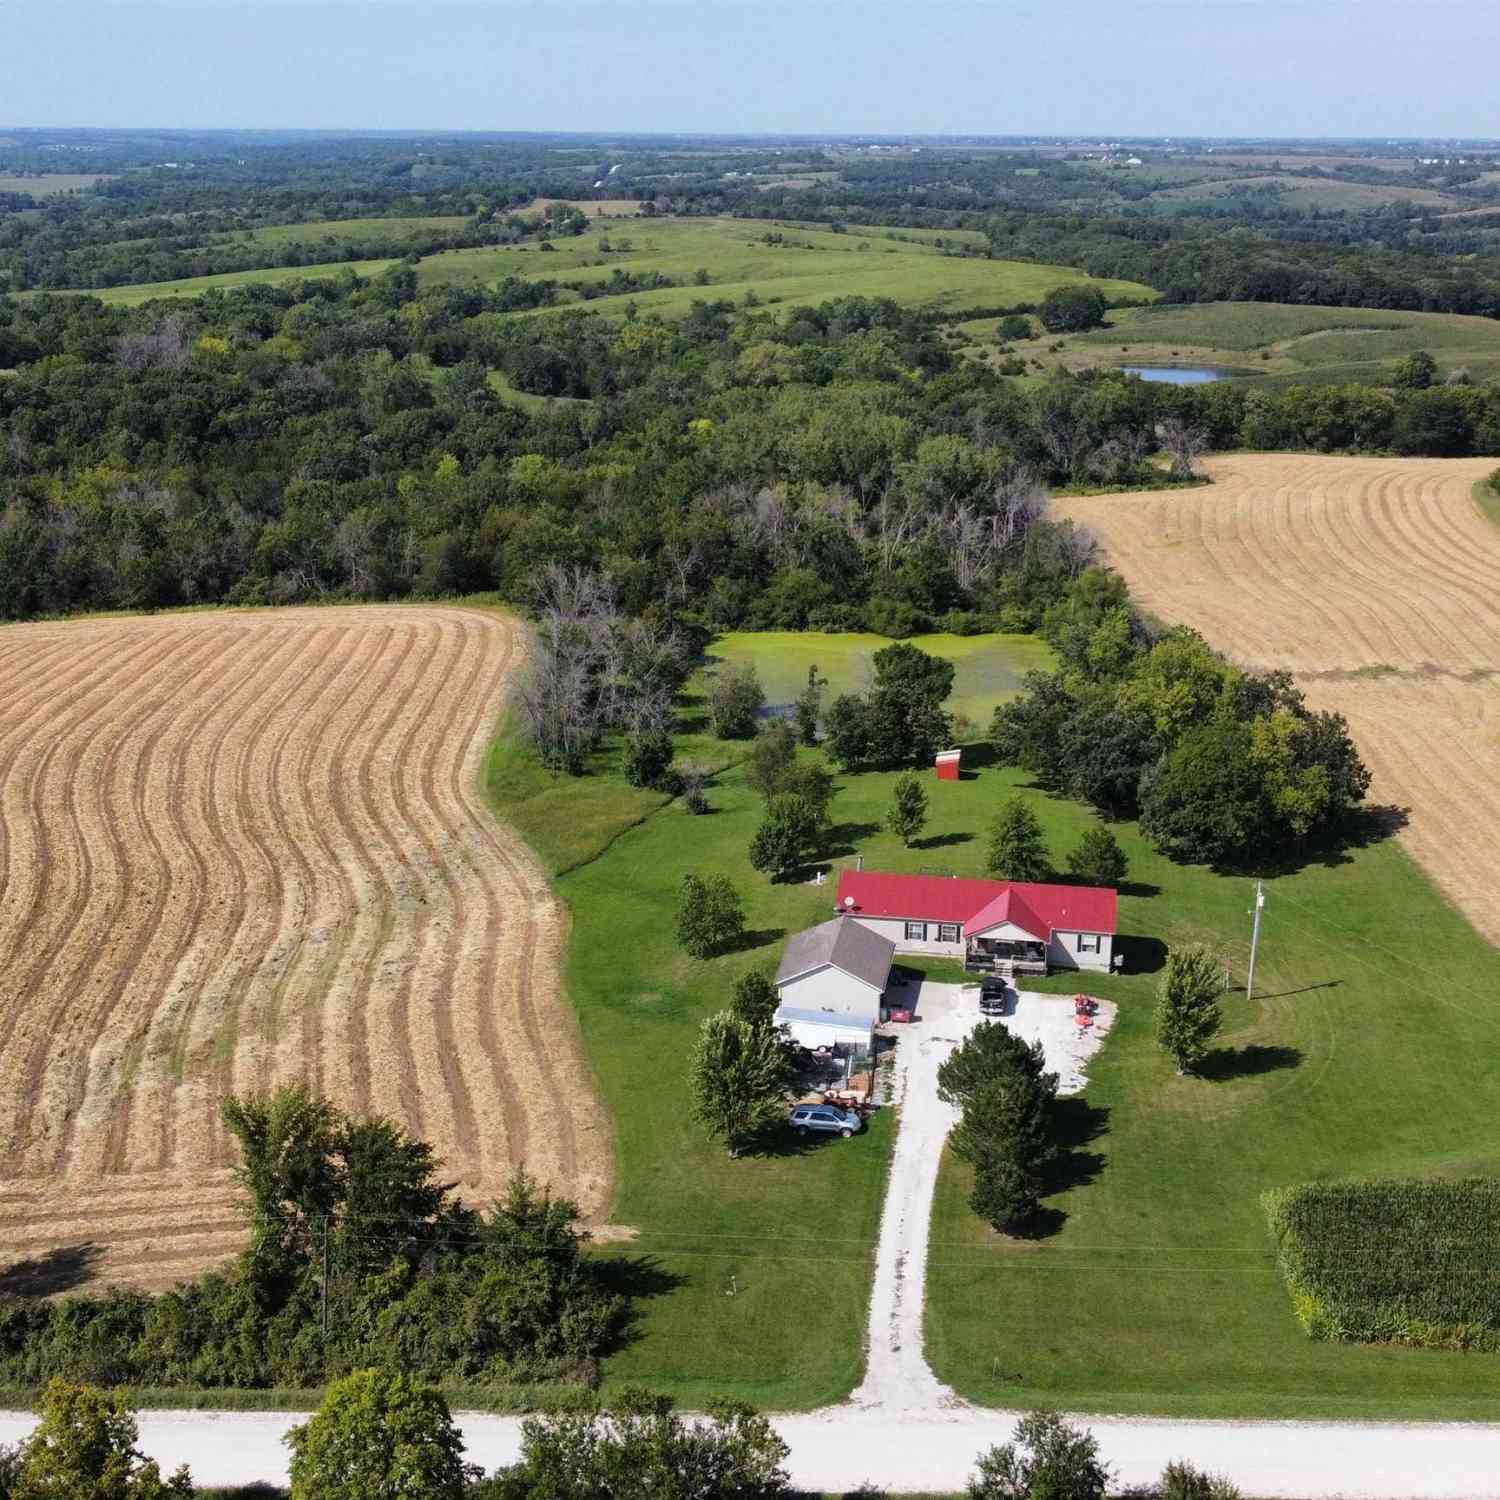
x=903 y=1430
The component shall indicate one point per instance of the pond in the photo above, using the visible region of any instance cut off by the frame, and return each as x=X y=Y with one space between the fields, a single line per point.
x=1175 y=374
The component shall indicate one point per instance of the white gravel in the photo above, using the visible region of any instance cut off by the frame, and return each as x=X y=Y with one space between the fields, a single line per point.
x=902 y=1429
x=897 y=1375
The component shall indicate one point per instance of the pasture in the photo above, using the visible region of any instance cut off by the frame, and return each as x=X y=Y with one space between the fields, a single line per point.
x=809 y=266
x=988 y=669
x=137 y=293
x=1268 y=339
x=50 y=184
x=1376 y=582
x=244 y=849
x=319 y=231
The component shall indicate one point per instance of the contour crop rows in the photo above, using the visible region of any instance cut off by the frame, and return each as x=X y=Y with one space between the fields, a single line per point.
x=1377 y=583
x=238 y=850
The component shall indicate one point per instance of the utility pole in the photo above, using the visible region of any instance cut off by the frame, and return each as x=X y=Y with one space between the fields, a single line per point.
x=1260 y=902
x=325 y=1276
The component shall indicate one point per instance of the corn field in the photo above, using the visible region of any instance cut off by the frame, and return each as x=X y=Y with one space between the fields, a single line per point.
x=1408 y=1262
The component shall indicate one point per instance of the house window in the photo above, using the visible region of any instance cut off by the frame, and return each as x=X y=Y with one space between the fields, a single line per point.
x=1088 y=942
x=947 y=932
x=916 y=932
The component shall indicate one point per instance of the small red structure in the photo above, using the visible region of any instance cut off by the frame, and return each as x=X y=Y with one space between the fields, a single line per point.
x=947 y=764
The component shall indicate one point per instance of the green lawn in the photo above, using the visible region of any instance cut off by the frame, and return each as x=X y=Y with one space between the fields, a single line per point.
x=1378 y=1019
x=988 y=668
x=1368 y=1051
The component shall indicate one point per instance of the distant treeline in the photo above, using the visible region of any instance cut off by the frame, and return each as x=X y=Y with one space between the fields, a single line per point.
x=836 y=467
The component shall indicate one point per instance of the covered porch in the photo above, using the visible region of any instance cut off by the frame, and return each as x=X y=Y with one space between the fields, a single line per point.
x=1007 y=957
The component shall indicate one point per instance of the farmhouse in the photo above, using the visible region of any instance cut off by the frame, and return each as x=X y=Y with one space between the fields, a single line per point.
x=1007 y=926
x=830 y=983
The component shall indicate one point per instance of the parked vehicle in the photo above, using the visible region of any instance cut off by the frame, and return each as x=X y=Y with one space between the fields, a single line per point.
x=827 y=1118
x=992 y=997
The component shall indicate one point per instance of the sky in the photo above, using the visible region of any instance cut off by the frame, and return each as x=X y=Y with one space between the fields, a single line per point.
x=1150 y=67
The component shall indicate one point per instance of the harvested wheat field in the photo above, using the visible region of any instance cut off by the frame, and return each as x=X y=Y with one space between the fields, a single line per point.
x=238 y=850
x=1377 y=583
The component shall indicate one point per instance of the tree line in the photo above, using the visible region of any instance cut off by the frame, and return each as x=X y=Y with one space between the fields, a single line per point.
x=358 y=1255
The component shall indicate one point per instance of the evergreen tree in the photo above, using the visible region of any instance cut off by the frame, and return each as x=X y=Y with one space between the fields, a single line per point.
x=1098 y=859
x=1017 y=849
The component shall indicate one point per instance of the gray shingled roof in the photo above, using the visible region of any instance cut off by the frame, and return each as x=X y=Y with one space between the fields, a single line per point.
x=846 y=944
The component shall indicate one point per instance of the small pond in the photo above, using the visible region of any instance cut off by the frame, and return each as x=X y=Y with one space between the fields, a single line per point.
x=1175 y=374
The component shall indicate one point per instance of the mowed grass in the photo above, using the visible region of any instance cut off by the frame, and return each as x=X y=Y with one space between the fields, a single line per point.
x=987 y=668
x=766 y=1263
x=1270 y=339
x=809 y=267
x=1369 y=1051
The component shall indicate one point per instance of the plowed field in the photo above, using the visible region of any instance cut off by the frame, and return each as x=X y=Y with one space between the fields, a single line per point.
x=1377 y=583
x=238 y=850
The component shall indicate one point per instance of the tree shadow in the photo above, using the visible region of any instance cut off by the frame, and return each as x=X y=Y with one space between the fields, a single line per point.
x=1224 y=1063
x=841 y=838
x=943 y=841
x=636 y=1278
x=978 y=756
x=1142 y=888
x=57 y=1271
x=1361 y=829
x=1141 y=955
x=752 y=939
x=1075 y=1125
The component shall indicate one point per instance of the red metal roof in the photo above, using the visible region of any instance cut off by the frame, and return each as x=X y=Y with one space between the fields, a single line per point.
x=980 y=904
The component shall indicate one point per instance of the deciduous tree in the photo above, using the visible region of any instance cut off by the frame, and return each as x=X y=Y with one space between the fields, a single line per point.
x=710 y=914
x=1187 y=1005
x=907 y=816
x=378 y=1434
x=739 y=1079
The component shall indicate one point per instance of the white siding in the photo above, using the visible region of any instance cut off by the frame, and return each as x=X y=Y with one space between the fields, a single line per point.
x=1008 y=932
x=1063 y=952
x=895 y=929
x=832 y=990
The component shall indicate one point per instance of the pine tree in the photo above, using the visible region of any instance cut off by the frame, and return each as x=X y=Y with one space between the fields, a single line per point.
x=1187 y=1005
x=1017 y=849
x=1098 y=858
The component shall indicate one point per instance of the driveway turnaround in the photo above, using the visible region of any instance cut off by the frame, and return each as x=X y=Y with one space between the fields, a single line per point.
x=902 y=1429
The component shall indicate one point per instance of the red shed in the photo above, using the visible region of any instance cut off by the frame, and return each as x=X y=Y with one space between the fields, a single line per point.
x=947 y=764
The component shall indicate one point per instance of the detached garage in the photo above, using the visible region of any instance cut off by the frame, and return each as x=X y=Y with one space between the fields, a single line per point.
x=831 y=981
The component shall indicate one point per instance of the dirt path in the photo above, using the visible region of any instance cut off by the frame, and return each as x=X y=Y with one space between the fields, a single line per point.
x=1376 y=582
x=238 y=850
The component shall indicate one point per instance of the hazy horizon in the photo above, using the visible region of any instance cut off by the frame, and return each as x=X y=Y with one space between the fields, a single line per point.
x=1327 y=69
